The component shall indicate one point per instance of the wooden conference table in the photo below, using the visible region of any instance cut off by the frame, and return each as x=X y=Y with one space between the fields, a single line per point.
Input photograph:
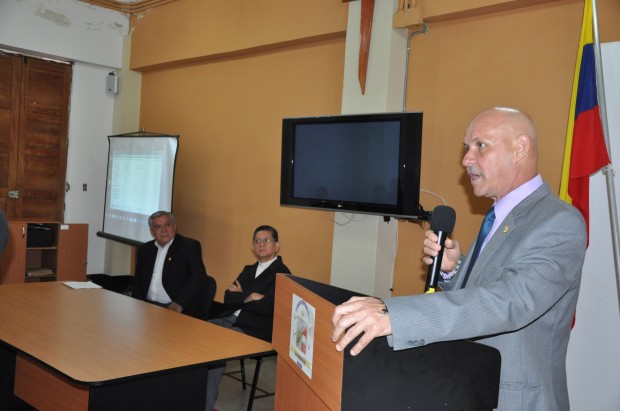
x=93 y=349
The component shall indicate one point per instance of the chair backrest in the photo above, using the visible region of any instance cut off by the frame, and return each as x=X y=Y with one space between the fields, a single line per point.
x=208 y=295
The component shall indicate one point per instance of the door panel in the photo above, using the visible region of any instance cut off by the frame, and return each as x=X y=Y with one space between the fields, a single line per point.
x=33 y=159
x=10 y=78
x=45 y=88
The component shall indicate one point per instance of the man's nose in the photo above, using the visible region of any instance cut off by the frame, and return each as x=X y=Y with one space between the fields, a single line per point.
x=467 y=159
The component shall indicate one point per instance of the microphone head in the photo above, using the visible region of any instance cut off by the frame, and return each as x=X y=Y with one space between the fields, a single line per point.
x=443 y=219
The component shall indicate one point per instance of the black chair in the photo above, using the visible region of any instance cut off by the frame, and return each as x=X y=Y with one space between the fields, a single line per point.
x=208 y=296
x=254 y=386
x=215 y=310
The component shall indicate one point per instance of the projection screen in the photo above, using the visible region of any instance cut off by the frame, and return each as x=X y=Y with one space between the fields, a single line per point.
x=139 y=182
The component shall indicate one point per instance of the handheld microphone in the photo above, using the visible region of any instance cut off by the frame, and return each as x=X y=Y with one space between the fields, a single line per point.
x=443 y=219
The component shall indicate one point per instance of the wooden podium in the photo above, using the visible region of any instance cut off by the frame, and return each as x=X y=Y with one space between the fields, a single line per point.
x=311 y=375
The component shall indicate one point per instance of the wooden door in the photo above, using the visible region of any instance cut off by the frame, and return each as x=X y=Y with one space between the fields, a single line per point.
x=10 y=92
x=37 y=107
x=42 y=152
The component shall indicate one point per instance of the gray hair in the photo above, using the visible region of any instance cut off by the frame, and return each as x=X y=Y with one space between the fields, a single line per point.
x=160 y=214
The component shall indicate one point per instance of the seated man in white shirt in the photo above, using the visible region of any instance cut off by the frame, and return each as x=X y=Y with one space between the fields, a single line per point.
x=169 y=270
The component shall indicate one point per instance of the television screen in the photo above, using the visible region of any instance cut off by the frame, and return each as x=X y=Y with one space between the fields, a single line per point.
x=364 y=163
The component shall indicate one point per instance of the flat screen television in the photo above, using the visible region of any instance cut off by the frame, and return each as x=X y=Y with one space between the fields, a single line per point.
x=361 y=163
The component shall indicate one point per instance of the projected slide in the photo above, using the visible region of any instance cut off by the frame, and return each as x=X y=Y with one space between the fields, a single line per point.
x=135 y=186
x=140 y=182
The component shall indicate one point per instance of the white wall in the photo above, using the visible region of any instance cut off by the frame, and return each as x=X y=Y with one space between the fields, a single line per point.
x=68 y=29
x=92 y=37
x=593 y=363
x=90 y=123
x=126 y=120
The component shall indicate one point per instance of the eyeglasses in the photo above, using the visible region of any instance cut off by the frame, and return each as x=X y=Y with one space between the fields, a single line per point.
x=260 y=241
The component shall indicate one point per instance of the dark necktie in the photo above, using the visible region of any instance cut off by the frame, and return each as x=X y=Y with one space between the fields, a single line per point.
x=489 y=219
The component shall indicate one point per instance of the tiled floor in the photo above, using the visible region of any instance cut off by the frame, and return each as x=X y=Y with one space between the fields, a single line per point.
x=234 y=398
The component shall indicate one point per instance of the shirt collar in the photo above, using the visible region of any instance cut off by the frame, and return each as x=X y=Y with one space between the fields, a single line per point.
x=165 y=246
x=267 y=263
x=510 y=200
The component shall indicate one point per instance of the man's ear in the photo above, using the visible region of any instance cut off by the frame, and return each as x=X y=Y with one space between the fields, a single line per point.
x=521 y=147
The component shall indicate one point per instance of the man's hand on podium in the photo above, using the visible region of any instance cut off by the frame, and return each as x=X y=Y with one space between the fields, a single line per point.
x=360 y=314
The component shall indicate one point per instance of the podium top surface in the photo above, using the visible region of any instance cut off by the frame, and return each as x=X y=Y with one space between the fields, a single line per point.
x=334 y=295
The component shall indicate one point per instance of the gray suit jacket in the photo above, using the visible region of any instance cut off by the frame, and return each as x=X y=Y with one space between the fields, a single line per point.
x=520 y=298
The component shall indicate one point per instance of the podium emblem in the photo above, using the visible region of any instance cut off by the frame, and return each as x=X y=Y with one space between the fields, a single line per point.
x=302 y=334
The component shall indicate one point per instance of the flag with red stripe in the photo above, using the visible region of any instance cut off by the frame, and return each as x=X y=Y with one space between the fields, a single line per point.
x=585 y=152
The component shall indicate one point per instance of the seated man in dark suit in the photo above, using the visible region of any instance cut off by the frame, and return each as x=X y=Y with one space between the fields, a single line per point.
x=169 y=270
x=249 y=301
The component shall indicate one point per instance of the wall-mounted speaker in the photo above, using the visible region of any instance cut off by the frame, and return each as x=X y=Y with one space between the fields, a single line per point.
x=112 y=83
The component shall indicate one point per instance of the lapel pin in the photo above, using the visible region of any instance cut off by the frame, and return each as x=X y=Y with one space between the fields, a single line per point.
x=506 y=229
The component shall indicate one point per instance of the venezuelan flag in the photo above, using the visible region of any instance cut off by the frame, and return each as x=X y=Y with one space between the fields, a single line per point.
x=585 y=152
